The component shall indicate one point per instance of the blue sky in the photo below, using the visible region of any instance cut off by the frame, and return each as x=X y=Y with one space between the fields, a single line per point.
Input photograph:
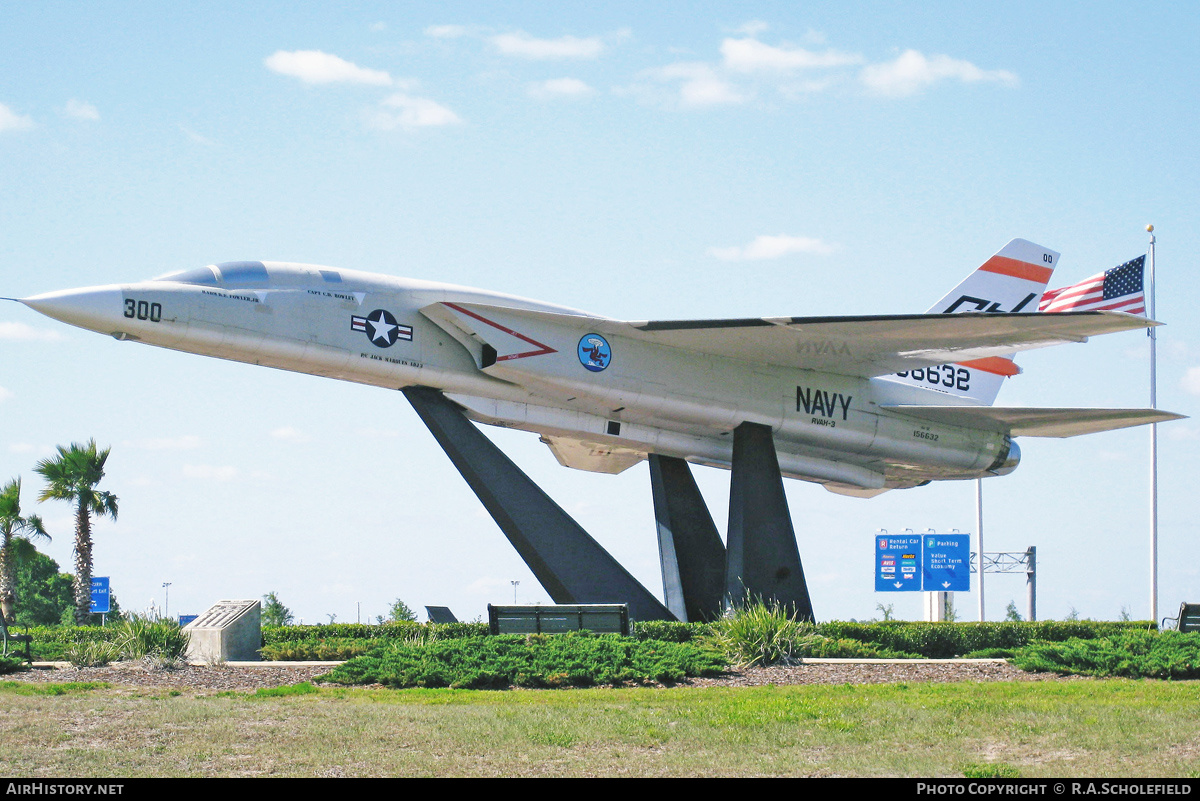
x=666 y=161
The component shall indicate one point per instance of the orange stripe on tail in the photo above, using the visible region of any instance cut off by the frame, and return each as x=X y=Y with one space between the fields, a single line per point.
x=1018 y=269
x=1000 y=365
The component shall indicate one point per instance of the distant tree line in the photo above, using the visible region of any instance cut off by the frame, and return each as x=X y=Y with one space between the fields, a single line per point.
x=274 y=613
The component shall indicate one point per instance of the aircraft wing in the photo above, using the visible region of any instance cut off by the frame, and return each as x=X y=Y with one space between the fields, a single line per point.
x=883 y=344
x=1025 y=421
x=866 y=346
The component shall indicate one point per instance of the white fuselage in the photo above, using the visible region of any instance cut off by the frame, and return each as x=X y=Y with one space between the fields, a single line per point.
x=648 y=398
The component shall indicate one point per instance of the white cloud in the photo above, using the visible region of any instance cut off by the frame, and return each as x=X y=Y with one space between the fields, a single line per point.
x=1191 y=381
x=404 y=111
x=559 y=87
x=210 y=472
x=80 y=110
x=525 y=46
x=771 y=247
x=748 y=66
x=12 y=121
x=316 y=67
x=20 y=332
x=701 y=85
x=5 y=394
x=378 y=26
x=751 y=55
x=912 y=71
x=289 y=434
x=446 y=31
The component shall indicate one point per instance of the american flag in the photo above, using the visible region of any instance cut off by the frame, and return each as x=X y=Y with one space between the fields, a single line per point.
x=1118 y=289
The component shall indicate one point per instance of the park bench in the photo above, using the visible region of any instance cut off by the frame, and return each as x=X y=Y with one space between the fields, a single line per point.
x=26 y=638
x=557 y=618
x=1188 y=620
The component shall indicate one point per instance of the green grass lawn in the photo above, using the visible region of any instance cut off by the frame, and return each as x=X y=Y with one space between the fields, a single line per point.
x=1101 y=728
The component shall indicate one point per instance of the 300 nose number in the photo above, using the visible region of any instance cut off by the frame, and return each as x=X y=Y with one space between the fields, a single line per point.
x=143 y=310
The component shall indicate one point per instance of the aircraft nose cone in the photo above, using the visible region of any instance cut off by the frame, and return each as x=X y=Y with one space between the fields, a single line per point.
x=94 y=308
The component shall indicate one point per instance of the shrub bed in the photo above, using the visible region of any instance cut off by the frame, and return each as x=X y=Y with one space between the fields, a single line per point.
x=133 y=638
x=51 y=643
x=576 y=659
x=11 y=664
x=1134 y=655
x=340 y=641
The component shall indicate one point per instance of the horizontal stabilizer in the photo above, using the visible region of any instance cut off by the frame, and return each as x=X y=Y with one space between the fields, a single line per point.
x=867 y=346
x=1026 y=421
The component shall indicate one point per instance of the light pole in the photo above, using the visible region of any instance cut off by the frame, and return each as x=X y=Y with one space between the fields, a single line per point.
x=166 y=599
x=514 y=585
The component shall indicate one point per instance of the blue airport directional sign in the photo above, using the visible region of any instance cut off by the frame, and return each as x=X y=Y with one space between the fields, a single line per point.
x=897 y=563
x=946 y=565
x=100 y=595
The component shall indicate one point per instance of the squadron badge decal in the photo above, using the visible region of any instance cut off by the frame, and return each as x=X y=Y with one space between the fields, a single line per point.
x=594 y=352
x=381 y=328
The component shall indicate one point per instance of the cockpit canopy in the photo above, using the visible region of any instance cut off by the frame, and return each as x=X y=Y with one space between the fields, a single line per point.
x=227 y=274
x=252 y=275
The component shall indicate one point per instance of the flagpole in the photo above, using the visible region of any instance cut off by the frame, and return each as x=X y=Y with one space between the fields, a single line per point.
x=979 y=534
x=1153 y=443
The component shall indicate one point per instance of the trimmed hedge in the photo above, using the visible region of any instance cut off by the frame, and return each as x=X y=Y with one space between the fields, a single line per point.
x=331 y=649
x=669 y=630
x=946 y=640
x=402 y=630
x=340 y=640
x=931 y=640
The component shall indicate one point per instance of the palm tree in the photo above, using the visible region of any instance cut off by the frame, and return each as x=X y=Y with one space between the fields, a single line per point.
x=12 y=527
x=73 y=477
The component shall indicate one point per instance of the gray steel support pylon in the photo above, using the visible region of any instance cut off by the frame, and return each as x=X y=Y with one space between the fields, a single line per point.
x=569 y=564
x=689 y=547
x=762 y=560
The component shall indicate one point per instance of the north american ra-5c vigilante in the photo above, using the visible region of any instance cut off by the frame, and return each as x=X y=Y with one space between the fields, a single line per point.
x=858 y=404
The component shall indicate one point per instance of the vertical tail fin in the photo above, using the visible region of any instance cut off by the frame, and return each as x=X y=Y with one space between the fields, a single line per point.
x=1011 y=281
